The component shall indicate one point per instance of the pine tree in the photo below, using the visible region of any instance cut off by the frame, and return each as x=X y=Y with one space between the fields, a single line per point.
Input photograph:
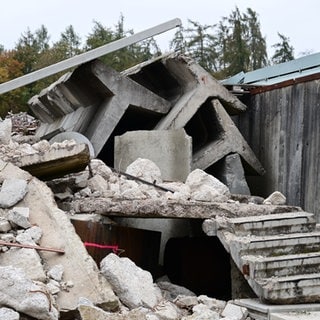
x=201 y=45
x=256 y=43
x=284 y=51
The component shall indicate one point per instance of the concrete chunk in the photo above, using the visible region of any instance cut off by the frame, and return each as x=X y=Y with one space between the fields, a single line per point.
x=235 y=312
x=20 y=217
x=8 y=314
x=12 y=191
x=92 y=100
x=133 y=285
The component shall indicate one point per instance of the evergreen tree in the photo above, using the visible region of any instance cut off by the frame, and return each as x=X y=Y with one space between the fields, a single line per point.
x=178 y=43
x=69 y=43
x=238 y=52
x=256 y=43
x=201 y=45
x=284 y=51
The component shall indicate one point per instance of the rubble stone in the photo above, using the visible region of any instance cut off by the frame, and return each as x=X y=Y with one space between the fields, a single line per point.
x=5 y=131
x=186 y=302
x=56 y=272
x=4 y=225
x=35 y=233
x=212 y=303
x=20 y=217
x=201 y=182
x=171 y=291
x=23 y=295
x=167 y=311
x=276 y=198
x=8 y=314
x=133 y=286
x=235 y=312
x=25 y=259
x=145 y=169
x=202 y=312
x=12 y=191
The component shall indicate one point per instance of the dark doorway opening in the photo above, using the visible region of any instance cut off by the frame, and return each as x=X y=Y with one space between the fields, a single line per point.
x=200 y=264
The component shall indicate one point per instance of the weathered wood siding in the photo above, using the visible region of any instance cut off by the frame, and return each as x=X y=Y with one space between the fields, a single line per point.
x=283 y=128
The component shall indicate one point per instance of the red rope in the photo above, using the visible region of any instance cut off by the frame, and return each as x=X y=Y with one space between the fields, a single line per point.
x=114 y=248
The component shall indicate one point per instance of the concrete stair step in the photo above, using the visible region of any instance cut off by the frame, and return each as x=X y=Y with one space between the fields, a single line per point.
x=274 y=245
x=282 y=223
x=264 y=267
x=302 y=288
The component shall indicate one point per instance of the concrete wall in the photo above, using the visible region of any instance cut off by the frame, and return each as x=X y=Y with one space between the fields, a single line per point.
x=170 y=150
x=282 y=126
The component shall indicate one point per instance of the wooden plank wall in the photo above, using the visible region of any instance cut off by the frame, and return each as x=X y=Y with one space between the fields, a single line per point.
x=283 y=128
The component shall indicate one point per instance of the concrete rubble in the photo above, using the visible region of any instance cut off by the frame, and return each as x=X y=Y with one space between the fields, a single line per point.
x=46 y=271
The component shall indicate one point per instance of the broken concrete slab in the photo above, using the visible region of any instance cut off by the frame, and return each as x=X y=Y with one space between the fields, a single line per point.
x=62 y=158
x=58 y=232
x=170 y=209
x=92 y=100
x=170 y=150
x=181 y=80
x=228 y=140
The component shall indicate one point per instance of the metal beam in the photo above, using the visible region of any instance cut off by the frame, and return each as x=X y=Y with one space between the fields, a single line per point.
x=87 y=56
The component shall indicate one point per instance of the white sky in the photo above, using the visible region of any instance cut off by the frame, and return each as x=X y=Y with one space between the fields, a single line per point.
x=295 y=19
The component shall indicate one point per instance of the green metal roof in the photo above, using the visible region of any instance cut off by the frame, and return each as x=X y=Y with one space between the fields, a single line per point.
x=293 y=69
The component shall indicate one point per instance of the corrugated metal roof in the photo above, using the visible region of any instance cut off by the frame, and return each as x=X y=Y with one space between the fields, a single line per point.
x=290 y=70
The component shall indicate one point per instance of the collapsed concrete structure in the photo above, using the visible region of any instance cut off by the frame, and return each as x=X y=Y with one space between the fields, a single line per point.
x=174 y=94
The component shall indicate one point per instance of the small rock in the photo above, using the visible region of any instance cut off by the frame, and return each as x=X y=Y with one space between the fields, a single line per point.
x=53 y=287
x=212 y=303
x=56 y=272
x=171 y=291
x=186 y=302
x=4 y=225
x=167 y=311
x=42 y=146
x=20 y=217
x=234 y=312
x=276 y=198
x=202 y=312
x=5 y=131
x=201 y=182
x=12 y=191
x=35 y=233
x=8 y=314
x=145 y=169
x=25 y=238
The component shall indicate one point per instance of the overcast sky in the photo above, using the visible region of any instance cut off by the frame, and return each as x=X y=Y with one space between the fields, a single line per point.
x=297 y=20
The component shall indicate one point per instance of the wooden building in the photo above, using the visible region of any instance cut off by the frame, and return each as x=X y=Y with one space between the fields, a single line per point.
x=282 y=125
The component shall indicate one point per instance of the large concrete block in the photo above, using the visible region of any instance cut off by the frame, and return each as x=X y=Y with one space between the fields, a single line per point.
x=170 y=150
x=92 y=100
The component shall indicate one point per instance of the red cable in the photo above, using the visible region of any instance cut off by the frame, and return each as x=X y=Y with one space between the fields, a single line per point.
x=114 y=248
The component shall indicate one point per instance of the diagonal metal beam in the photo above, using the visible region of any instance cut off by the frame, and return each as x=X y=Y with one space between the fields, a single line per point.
x=87 y=56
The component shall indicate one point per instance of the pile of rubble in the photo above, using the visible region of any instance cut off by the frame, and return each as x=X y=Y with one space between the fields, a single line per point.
x=40 y=250
x=38 y=278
